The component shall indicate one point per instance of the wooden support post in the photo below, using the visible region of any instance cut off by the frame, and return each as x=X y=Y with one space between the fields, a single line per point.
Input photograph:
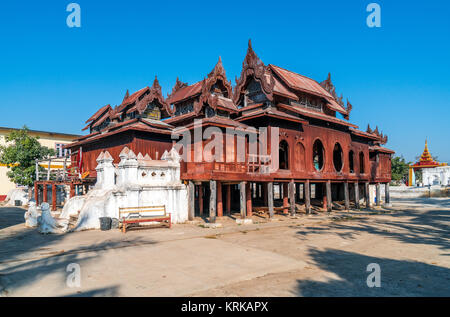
x=249 y=200
x=292 y=196
x=229 y=199
x=270 y=198
x=200 y=199
x=72 y=190
x=357 y=196
x=324 y=197
x=387 y=198
x=329 y=199
x=53 y=197
x=243 y=202
x=44 y=193
x=378 y=194
x=212 y=201
x=219 y=200
x=307 y=195
x=285 y=198
x=367 y=194
x=191 y=202
x=36 y=193
x=346 y=197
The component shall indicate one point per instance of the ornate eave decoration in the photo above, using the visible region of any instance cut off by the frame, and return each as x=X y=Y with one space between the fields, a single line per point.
x=253 y=66
x=348 y=110
x=154 y=94
x=178 y=85
x=127 y=95
x=328 y=85
x=206 y=97
x=382 y=139
x=218 y=73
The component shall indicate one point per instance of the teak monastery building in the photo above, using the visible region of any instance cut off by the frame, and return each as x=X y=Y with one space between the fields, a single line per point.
x=320 y=158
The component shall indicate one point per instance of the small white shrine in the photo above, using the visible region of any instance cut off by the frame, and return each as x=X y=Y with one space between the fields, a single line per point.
x=137 y=181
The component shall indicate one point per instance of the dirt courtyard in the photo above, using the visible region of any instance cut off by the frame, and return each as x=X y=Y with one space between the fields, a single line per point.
x=317 y=255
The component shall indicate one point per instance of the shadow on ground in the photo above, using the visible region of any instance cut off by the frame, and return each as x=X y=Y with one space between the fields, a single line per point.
x=11 y=216
x=27 y=256
x=430 y=227
x=398 y=278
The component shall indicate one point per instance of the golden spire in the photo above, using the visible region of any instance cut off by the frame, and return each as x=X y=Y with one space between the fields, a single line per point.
x=426 y=156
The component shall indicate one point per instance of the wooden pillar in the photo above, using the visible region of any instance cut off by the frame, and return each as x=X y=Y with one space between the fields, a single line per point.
x=387 y=198
x=292 y=196
x=243 y=202
x=191 y=202
x=44 y=193
x=72 y=190
x=357 y=195
x=36 y=193
x=212 y=201
x=329 y=196
x=378 y=194
x=229 y=199
x=200 y=199
x=249 y=200
x=307 y=195
x=219 y=200
x=53 y=197
x=366 y=193
x=270 y=198
x=346 y=196
x=285 y=198
x=264 y=193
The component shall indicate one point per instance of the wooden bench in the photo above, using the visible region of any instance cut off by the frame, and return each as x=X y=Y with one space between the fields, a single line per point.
x=128 y=215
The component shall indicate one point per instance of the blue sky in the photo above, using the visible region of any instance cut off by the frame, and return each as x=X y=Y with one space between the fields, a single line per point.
x=397 y=76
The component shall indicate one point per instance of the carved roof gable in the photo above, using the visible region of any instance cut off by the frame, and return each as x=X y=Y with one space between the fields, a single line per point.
x=253 y=66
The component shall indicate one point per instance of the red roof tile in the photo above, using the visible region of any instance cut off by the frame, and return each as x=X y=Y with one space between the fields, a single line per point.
x=98 y=113
x=299 y=82
x=316 y=115
x=186 y=92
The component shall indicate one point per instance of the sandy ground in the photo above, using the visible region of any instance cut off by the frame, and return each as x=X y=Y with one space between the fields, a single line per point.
x=318 y=255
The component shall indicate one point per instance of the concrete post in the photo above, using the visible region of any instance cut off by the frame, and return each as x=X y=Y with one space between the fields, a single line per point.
x=346 y=196
x=270 y=198
x=387 y=198
x=307 y=197
x=378 y=194
x=191 y=198
x=292 y=196
x=367 y=194
x=329 y=196
x=243 y=202
x=212 y=201
x=357 y=195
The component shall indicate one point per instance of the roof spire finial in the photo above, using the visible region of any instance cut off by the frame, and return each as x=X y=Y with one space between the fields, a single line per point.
x=127 y=95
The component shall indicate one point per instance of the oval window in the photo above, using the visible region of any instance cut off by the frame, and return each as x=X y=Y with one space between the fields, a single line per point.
x=318 y=154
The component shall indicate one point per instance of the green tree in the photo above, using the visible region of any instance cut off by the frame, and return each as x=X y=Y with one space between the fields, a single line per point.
x=20 y=153
x=399 y=168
